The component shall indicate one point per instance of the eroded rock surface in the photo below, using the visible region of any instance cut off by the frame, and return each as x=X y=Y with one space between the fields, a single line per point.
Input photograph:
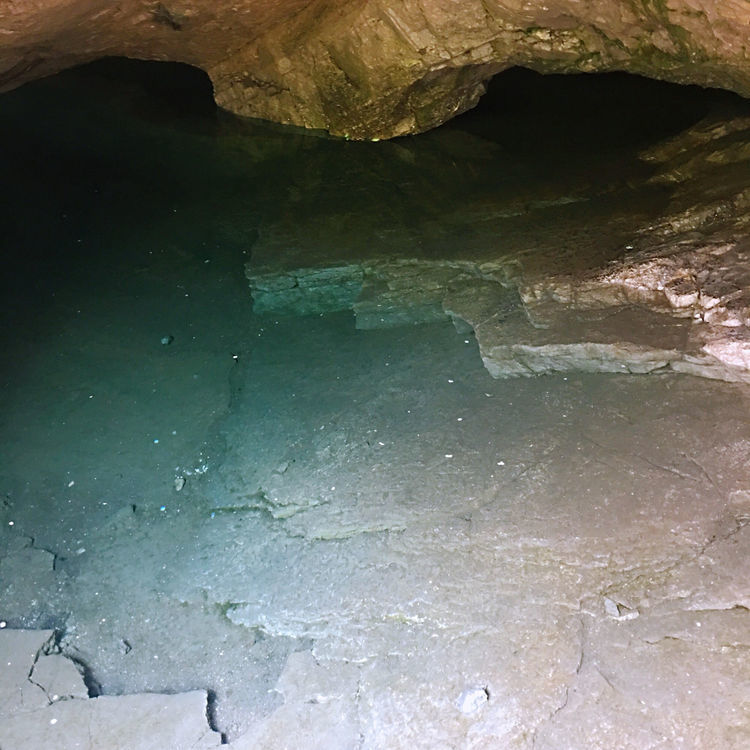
x=571 y=547
x=44 y=704
x=690 y=268
x=575 y=550
x=676 y=298
x=383 y=68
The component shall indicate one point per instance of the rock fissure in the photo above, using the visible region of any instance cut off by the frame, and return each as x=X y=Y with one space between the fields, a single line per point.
x=738 y=524
x=570 y=685
x=46 y=648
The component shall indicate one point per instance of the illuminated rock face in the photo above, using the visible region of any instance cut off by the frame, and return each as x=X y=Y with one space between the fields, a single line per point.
x=381 y=68
x=675 y=298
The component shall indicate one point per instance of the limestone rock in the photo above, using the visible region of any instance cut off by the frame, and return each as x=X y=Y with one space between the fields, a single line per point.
x=674 y=296
x=138 y=722
x=407 y=291
x=319 y=710
x=383 y=68
x=22 y=561
x=59 y=677
x=44 y=705
x=304 y=291
x=20 y=650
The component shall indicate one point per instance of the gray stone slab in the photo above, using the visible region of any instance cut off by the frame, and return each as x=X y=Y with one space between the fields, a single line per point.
x=44 y=705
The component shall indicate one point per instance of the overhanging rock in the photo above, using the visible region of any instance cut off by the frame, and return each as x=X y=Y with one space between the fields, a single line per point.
x=383 y=68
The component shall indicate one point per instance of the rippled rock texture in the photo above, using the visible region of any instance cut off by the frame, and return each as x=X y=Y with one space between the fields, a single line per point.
x=383 y=68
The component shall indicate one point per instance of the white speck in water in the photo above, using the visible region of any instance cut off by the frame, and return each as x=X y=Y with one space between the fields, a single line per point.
x=472 y=699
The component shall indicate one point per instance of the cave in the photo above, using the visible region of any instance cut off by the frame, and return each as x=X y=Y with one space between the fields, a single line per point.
x=435 y=441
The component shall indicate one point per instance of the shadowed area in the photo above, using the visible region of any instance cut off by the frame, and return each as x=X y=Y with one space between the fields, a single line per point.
x=355 y=441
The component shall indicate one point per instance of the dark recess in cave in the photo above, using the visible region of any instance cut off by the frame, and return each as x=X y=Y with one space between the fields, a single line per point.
x=529 y=112
x=166 y=88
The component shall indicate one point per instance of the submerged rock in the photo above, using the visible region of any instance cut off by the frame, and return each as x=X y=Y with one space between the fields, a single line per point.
x=46 y=704
x=677 y=298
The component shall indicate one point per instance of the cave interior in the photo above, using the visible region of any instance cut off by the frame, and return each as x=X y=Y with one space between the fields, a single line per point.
x=424 y=442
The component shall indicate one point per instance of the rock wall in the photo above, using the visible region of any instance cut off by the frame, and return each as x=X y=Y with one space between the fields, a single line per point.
x=382 y=68
x=675 y=296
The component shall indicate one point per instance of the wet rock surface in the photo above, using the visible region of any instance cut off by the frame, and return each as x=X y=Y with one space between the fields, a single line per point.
x=327 y=530
x=45 y=704
x=380 y=542
x=691 y=264
x=562 y=546
x=677 y=297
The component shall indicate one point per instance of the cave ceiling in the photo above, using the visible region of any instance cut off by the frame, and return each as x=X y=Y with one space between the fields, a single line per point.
x=383 y=68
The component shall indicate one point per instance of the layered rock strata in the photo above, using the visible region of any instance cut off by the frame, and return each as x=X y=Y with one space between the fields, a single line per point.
x=378 y=69
x=677 y=299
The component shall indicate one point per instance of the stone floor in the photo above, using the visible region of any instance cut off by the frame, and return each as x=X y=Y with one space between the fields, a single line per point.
x=429 y=558
x=337 y=519
x=45 y=704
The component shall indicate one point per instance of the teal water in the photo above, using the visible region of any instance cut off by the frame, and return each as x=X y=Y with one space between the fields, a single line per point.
x=129 y=206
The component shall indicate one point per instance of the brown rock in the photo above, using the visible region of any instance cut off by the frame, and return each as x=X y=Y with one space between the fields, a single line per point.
x=383 y=68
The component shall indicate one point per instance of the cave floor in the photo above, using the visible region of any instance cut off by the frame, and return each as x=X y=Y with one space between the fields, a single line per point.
x=396 y=549
x=347 y=538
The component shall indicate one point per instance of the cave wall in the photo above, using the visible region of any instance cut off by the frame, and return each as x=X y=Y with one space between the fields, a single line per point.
x=385 y=67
